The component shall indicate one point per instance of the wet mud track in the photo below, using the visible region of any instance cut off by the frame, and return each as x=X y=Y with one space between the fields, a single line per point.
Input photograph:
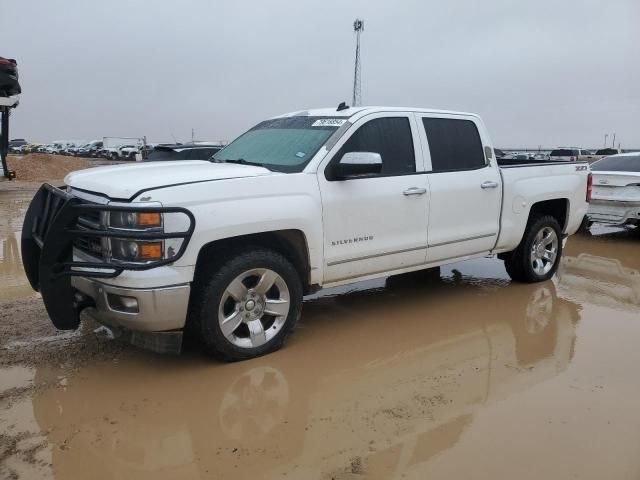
x=450 y=374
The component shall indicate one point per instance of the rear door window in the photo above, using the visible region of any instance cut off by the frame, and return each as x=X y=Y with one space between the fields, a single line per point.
x=454 y=144
x=388 y=136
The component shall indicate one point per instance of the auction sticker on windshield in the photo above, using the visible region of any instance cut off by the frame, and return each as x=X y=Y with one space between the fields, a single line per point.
x=329 y=122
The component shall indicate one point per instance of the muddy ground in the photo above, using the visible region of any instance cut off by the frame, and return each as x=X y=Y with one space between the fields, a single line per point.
x=456 y=374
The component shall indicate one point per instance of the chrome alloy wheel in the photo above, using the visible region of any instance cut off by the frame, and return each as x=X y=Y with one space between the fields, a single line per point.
x=544 y=251
x=254 y=308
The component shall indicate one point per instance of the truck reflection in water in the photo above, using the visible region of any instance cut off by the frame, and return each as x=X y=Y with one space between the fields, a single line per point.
x=404 y=371
x=15 y=285
x=603 y=271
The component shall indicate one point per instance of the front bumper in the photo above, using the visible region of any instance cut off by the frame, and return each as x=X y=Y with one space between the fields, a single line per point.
x=158 y=309
x=51 y=227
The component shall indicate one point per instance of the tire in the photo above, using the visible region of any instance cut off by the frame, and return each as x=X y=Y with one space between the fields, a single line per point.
x=230 y=293
x=524 y=263
x=585 y=225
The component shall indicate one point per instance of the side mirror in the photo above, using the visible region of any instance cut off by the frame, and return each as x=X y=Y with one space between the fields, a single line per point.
x=355 y=164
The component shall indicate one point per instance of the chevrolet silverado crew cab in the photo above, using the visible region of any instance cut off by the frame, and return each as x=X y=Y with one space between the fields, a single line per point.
x=225 y=249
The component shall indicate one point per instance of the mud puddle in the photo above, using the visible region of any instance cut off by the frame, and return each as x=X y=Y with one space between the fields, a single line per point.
x=13 y=206
x=450 y=374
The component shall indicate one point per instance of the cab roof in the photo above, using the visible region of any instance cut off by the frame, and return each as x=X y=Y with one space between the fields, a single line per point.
x=361 y=111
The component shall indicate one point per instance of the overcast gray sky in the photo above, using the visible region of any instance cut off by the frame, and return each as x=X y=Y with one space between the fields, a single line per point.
x=546 y=72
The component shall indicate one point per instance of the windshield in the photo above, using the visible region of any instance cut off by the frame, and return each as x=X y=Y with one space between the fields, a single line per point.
x=617 y=163
x=281 y=144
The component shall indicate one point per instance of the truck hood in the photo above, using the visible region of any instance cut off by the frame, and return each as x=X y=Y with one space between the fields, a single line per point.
x=126 y=181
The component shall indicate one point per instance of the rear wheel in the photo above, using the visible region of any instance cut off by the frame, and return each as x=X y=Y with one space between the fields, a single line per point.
x=247 y=306
x=585 y=225
x=537 y=256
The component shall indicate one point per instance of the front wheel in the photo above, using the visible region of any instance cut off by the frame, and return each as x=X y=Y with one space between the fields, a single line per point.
x=247 y=306
x=537 y=256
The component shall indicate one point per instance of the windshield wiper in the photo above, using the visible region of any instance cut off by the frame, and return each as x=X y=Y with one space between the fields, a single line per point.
x=241 y=161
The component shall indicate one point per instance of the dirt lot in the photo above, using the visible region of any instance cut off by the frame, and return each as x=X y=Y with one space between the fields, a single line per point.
x=459 y=374
x=44 y=167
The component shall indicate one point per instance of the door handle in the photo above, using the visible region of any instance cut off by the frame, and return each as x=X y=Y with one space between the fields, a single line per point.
x=414 y=191
x=488 y=184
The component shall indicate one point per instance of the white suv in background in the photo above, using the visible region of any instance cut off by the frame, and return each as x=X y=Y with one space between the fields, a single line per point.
x=570 y=154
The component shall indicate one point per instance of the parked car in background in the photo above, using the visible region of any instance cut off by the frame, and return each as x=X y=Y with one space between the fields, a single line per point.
x=499 y=153
x=517 y=156
x=71 y=149
x=570 y=154
x=134 y=153
x=616 y=190
x=95 y=147
x=129 y=152
x=90 y=149
x=110 y=152
x=197 y=151
x=15 y=145
x=603 y=152
x=56 y=148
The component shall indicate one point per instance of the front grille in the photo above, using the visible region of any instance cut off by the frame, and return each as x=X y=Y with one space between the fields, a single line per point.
x=90 y=220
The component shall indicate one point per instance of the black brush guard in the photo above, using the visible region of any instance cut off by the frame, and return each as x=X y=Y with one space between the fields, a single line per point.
x=48 y=233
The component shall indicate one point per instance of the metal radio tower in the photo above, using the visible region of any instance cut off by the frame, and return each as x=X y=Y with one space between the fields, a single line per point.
x=358 y=27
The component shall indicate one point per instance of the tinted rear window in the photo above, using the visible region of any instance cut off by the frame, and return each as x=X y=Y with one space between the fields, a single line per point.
x=627 y=163
x=606 y=151
x=563 y=152
x=166 y=154
x=454 y=144
x=202 y=153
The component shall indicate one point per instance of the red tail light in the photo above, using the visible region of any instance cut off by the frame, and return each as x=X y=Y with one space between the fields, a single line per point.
x=589 y=187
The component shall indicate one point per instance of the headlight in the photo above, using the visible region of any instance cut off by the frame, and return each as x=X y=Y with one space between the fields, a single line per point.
x=128 y=250
x=133 y=238
x=135 y=220
x=136 y=251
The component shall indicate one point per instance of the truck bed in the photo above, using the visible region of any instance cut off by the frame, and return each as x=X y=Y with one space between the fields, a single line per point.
x=524 y=187
x=508 y=163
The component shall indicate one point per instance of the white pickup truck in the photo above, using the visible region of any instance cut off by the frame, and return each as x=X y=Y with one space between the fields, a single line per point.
x=227 y=248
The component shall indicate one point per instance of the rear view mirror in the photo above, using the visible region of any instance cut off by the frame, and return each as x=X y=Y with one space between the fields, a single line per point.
x=355 y=164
